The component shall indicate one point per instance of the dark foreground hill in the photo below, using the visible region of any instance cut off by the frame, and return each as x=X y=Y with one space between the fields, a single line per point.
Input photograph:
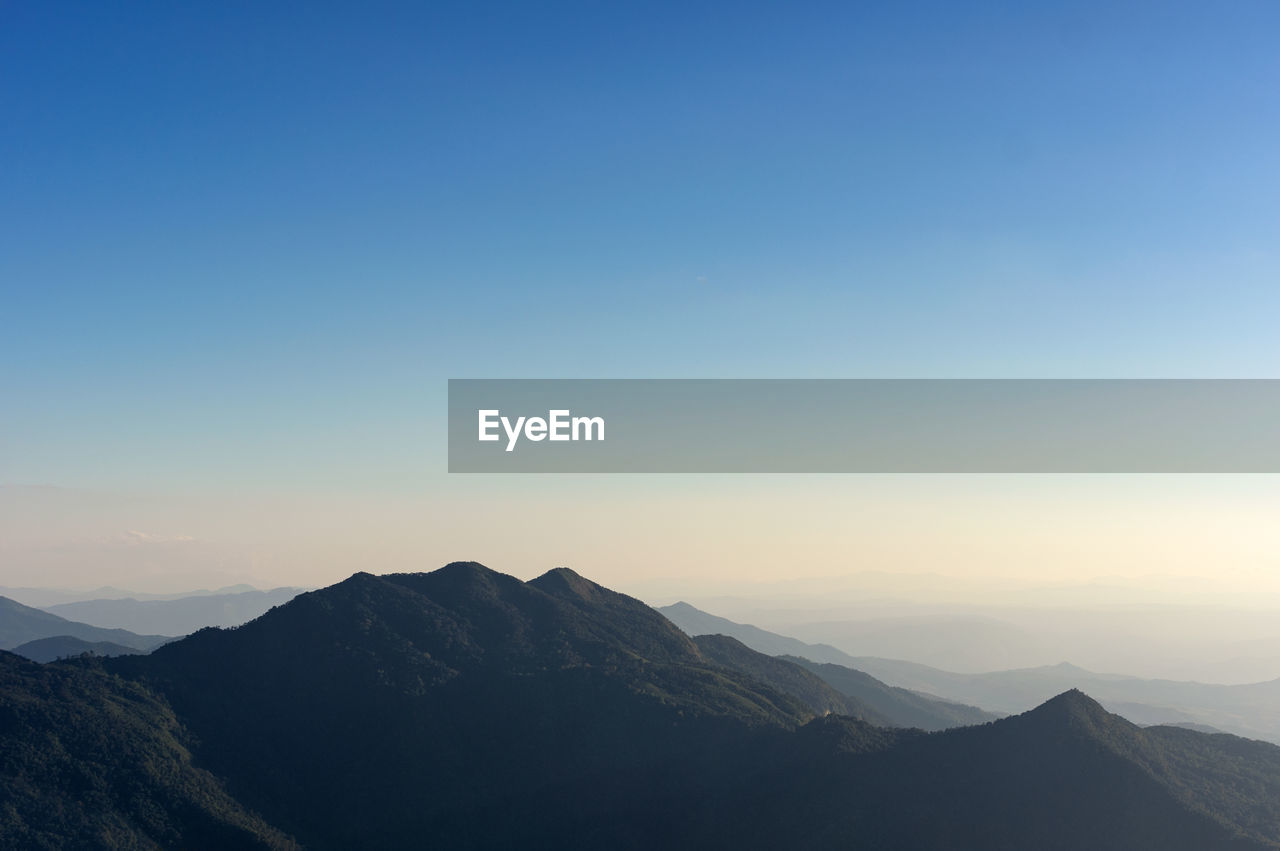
x=466 y=709
x=92 y=761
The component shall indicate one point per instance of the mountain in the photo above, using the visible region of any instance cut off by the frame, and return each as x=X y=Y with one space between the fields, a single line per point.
x=1245 y=710
x=175 y=617
x=1067 y=775
x=43 y=597
x=466 y=709
x=62 y=646
x=897 y=707
x=954 y=640
x=788 y=677
x=20 y=624
x=906 y=708
x=427 y=702
x=694 y=621
x=91 y=761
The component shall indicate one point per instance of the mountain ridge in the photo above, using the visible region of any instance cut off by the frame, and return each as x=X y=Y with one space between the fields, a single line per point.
x=178 y=616
x=20 y=624
x=482 y=711
x=892 y=705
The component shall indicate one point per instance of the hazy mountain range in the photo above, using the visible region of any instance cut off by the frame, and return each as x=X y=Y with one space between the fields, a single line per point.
x=1251 y=710
x=895 y=706
x=178 y=616
x=1206 y=643
x=466 y=709
x=21 y=624
x=113 y=627
x=1247 y=710
x=44 y=597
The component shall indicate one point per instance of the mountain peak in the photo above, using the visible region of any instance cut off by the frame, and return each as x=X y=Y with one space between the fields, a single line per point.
x=468 y=578
x=460 y=569
x=1074 y=700
x=563 y=582
x=1075 y=708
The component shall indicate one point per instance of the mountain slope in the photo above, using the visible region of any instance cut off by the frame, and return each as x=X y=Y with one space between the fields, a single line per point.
x=895 y=706
x=786 y=676
x=1063 y=777
x=905 y=708
x=20 y=624
x=116 y=757
x=694 y=621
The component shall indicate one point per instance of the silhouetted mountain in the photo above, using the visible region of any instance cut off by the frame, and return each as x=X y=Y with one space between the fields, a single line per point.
x=91 y=761
x=20 y=624
x=786 y=676
x=466 y=709
x=893 y=706
x=64 y=646
x=902 y=708
x=427 y=702
x=178 y=616
x=1067 y=775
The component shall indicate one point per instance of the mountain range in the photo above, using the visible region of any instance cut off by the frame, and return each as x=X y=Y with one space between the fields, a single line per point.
x=1246 y=710
x=21 y=624
x=895 y=706
x=463 y=708
x=43 y=597
x=177 y=616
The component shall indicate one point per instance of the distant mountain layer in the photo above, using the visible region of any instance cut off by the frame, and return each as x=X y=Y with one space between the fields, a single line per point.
x=20 y=624
x=889 y=705
x=906 y=708
x=1246 y=710
x=63 y=646
x=694 y=621
x=175 y=617
x=42 y=597
x=467 y=709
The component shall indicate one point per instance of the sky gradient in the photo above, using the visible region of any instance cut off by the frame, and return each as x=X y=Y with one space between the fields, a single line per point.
x=242 y=246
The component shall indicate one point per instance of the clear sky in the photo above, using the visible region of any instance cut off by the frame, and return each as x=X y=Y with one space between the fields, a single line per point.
x=242 y=246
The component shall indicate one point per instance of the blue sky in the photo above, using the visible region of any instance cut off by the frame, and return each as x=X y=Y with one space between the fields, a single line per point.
x=247 y=243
